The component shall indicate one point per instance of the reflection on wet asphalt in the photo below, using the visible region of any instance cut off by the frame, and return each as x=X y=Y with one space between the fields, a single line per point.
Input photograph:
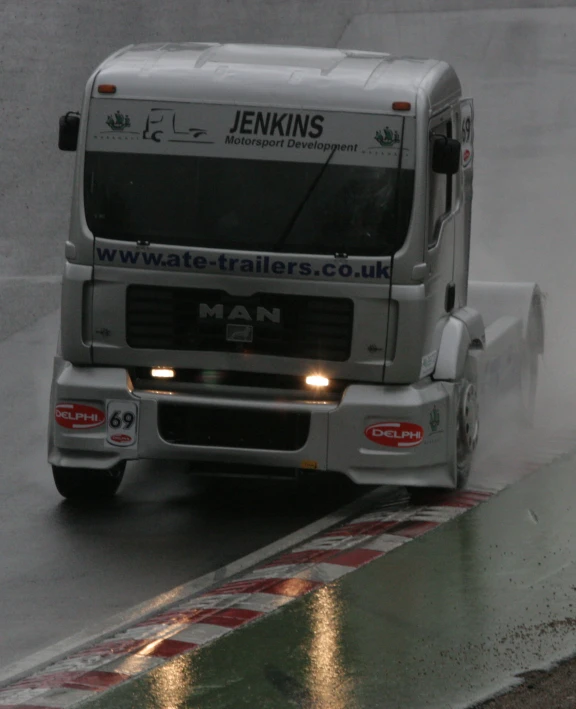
x=443 y=621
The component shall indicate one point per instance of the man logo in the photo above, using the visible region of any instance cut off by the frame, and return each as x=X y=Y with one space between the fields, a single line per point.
x=239 y=333
x=239 y=312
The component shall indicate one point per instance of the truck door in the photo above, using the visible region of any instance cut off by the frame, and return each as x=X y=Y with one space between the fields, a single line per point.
x=465 y=124
x=443 y=206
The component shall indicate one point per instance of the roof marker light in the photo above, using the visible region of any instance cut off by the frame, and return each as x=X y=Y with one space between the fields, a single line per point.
x=106 y=89
x=401 y=105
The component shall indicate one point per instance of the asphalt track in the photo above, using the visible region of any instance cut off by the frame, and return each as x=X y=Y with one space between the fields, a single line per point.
x=441 y=622
x=63 y=569
x=359 y=616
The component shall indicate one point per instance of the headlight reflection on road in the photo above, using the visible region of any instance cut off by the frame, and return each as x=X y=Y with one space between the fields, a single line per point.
x=172 y=683
x=328 y=682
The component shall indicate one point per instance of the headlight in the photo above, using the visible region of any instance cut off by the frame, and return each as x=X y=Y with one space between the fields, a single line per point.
x=162 y=372
x=317 y=380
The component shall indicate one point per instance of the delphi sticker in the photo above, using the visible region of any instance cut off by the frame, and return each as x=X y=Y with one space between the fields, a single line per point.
x=78 y=416
x=395 y=434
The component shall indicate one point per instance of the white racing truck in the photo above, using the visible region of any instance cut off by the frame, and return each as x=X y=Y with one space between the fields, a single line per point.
x=267 y=269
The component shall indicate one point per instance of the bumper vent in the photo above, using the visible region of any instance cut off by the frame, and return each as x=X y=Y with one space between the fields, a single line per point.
x=193 y=425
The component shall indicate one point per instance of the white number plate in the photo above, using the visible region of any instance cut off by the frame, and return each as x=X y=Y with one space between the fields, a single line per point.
x=122 y=423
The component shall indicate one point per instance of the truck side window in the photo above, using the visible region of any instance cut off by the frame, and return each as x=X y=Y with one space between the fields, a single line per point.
x=440 y=190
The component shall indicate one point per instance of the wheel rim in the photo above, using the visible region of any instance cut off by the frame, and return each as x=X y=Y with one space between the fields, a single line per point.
x=468 y=425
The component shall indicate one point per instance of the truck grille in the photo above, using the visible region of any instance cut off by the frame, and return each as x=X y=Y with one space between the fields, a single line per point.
x=264 y=324
x=193 y=425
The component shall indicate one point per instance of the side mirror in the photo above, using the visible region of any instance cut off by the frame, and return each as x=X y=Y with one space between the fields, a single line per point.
x=69 y=127
x=445 y=155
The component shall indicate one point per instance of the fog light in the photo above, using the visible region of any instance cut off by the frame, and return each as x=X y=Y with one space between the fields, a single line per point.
x=162 y=372
x=317 y=380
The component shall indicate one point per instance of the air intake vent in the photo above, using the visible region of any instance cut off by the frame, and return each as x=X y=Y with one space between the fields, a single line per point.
x=183 y=424
x=265 y=324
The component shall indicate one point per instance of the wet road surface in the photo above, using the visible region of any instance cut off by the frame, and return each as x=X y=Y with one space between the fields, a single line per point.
x=443 y=621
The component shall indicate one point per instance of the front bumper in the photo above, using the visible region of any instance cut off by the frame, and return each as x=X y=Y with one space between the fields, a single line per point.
x=334 y=438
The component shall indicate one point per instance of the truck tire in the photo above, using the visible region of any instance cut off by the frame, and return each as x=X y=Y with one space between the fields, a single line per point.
x=88 y=484
x=527 y=387
x=467 y=428
x=533 y=347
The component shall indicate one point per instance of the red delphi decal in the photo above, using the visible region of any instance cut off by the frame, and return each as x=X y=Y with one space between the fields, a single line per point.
x=78 y=416
x=395 y=434
x=466 y=156
x=120 y=438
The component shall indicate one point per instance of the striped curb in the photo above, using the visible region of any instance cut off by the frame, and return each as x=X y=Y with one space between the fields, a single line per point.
x=260 y=591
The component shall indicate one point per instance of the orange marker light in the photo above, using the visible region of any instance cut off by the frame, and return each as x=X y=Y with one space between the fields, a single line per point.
x=401 y=105
x=106 y=89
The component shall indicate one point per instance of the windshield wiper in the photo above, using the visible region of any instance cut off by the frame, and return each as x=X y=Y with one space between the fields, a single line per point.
x=282 y=240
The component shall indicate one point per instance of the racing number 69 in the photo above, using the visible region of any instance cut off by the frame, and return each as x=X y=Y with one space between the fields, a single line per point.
x=125 y=420
x=121 y=423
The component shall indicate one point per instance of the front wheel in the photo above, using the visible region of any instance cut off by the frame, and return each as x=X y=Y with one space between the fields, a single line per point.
x=467 y=428
x=88 y=484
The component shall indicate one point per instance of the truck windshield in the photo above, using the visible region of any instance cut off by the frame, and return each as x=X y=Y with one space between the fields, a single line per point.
x=246 y=204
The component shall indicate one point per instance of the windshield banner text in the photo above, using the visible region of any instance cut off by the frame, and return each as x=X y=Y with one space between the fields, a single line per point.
x=272 y=266
x=255 y=133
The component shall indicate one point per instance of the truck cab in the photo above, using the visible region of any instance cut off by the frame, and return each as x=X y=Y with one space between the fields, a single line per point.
x=267 y=266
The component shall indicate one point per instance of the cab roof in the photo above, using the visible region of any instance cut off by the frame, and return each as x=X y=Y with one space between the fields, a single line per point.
x=283 y=76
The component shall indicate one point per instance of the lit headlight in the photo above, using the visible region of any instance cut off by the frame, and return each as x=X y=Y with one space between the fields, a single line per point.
x=317 y=380
x=162 y=372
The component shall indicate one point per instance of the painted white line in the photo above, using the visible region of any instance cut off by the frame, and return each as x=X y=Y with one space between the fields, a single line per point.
x=62 y=698
x=325 y=572
x=384 y=515
x=78 y=664
x=332 y=543
x=127 y=619
x=21 y=695
x=262 y=602
x=217 y=602
x=288 y=571
x=438 y=514
x=201 y=633
x=387 y=542
x=133 y=665
x=143 y=632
